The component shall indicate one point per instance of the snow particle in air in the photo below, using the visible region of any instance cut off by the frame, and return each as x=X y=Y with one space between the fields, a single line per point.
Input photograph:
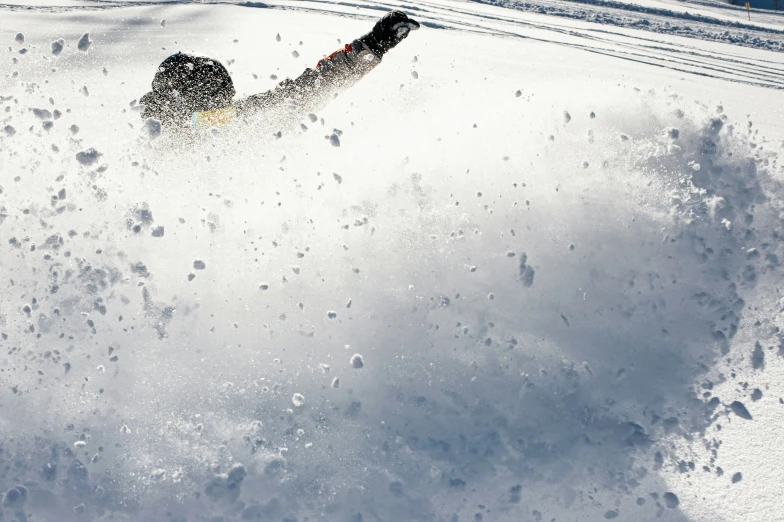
x=414 y=75
x=15 y=497
x=9 y=131
x=357 y=361
x=737 y=477
x=567 y=117
x=74 y=129
x=609 y=515
x=84 y=42
x=332 y=314
x=157 y=232
x=198 y=264
x=163 y=23
x=42 y=114
x=295 y=54
x=19 y=38
x=758 y=357
x=336 y=383
x=57 y=47
x=739 y=409
x=491 y=296
x=337 y=177
x=334 y=140
x=518 y=93
x=87 y=157
x=298 y=400
x=671 y=499
x=526 y=273
x=277 y=37
x=263 y=286
x=152 y=128
x=571 y=246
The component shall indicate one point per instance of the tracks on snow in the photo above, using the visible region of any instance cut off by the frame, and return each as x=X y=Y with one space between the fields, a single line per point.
x=618 y=42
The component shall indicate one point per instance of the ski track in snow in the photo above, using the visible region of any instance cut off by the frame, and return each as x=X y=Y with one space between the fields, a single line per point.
x=684 y=58
x=652 y=52
x=624 y=45
x=605 y=12
x=555 y=303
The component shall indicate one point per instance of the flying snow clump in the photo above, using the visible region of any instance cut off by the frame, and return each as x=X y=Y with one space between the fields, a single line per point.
x=152 y=128
x=84 y=42
x=57 y=46
x=88 y=157
x=356 y=361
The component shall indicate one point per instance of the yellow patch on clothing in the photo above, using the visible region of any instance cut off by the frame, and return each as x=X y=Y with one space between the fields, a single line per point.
x=217 y=118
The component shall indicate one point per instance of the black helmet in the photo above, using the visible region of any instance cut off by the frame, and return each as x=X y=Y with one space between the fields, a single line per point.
x=185 y=84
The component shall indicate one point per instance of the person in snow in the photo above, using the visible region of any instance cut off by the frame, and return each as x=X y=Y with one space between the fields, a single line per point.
x=197 y=92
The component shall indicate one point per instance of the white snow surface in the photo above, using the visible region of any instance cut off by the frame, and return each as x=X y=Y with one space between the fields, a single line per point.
x=559 y=318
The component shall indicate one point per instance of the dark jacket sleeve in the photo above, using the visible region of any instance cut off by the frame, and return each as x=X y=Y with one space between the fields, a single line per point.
x=315 y=87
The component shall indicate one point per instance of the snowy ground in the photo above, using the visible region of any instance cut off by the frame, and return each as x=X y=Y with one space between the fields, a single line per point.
x=555 y=245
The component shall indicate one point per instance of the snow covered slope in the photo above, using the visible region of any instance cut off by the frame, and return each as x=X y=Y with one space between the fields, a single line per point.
x=554 y=245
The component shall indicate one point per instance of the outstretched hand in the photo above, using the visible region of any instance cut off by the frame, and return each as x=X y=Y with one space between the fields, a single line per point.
x=389 y=31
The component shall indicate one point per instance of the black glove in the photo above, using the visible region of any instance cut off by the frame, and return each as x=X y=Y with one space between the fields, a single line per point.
x=388 y=32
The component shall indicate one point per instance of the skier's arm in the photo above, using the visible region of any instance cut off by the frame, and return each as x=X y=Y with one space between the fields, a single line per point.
x=314 y=87
x=343 y=68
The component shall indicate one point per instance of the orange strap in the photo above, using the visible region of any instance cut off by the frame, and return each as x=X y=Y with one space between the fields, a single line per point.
x=346 y=49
